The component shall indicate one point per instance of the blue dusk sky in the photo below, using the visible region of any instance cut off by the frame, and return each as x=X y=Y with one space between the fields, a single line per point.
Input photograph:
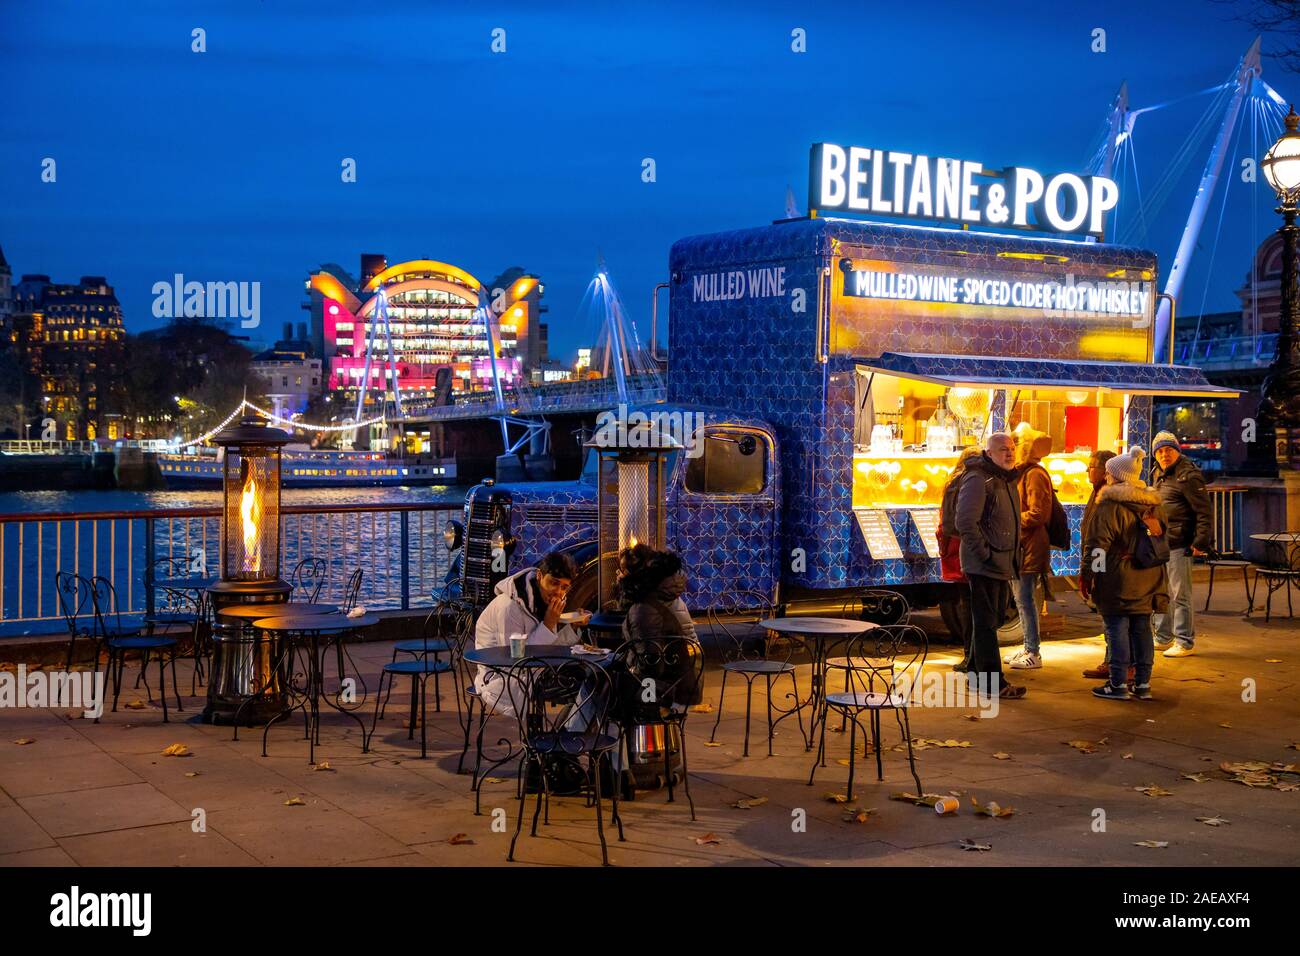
x=225 y=165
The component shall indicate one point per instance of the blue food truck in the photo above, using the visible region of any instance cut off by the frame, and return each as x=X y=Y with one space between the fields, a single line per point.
x=839 y=366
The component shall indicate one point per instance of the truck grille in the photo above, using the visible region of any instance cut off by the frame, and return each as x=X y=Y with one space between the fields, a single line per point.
x=557 y=514
x=485 y=511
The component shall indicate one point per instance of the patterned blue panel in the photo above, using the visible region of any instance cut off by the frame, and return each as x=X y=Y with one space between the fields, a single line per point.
x=1138 y=422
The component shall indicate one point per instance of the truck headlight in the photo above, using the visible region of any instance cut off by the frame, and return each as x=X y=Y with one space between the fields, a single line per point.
x=498 y=539
x=453 y=535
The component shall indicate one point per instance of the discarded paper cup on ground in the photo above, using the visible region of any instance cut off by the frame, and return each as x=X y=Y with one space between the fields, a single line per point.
x=946 y=805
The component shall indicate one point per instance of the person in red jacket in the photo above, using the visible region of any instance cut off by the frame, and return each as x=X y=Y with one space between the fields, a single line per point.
x=950 y=553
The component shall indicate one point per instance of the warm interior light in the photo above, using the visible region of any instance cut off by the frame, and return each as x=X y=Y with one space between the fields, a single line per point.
x=250 y=515
x=1282 y=164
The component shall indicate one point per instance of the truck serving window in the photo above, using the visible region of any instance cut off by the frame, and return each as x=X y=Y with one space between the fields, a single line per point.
x=733 y=463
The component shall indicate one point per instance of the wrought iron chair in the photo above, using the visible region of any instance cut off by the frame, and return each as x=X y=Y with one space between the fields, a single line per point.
x=180 y=607
x=562 y=720
x=658 y=678
x=1285 y=574
x=74 y=593
x=119 y=641
x=419 y=669
x=351 y=590
x=306 y=579
x=878 y=607
x=750 y=652
x=871 y=666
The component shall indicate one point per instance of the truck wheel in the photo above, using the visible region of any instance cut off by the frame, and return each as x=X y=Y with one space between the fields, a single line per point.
x=950 y=611
x=582 y=596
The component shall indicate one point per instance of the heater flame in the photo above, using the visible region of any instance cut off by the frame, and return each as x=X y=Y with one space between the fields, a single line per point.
x=250 y=515
x=632 y=541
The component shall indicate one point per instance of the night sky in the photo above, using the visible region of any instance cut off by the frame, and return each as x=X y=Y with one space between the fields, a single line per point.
x=225 y=165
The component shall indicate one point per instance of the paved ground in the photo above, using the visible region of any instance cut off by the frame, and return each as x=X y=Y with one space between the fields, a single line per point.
x=82 y=793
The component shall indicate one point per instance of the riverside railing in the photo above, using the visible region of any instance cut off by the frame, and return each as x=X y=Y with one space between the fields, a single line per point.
x=399 y=549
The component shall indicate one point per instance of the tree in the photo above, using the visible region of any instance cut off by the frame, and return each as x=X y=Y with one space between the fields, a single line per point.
x=1279 y=20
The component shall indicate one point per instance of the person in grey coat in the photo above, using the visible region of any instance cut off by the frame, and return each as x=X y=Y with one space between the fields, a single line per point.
x=988 y=521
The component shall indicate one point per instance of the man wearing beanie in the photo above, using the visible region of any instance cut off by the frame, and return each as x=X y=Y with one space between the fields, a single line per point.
x=1187 y=508
x=1115 y=577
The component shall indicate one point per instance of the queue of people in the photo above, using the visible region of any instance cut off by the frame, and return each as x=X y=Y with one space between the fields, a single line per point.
x=1137 y=544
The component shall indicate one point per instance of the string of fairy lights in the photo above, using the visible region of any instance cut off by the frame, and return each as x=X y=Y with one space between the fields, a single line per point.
x=279 y=420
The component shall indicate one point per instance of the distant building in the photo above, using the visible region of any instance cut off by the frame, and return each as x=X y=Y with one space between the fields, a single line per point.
x=431 y=326
x=6 y=289
x=71 y=339
x=292 y=378
x=1235 y=349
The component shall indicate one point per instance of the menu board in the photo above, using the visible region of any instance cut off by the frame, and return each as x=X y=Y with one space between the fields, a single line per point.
x=927 y=524
x=882 y=543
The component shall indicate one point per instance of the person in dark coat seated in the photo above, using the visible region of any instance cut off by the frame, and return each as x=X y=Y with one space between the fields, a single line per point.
x=650 y=585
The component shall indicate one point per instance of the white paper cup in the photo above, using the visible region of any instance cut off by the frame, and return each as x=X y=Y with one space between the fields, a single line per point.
x=518 y=647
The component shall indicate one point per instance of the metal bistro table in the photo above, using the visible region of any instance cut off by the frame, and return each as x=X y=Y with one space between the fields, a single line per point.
x=290 y=626
x=818 y=634
x=1282 y=549
x=498 y=660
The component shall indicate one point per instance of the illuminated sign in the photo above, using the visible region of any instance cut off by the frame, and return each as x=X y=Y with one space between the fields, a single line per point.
x=1070 y=296
x=913 y=186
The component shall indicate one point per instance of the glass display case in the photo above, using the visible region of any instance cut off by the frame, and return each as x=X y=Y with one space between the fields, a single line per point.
x=909 y=434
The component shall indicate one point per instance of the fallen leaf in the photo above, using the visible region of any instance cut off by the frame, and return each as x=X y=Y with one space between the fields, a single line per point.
x=1151 y=790
x=970 y=716
x=493 y=780
x=835 y=797
x=1127 y=756
x=134 y=705
x=924 y=800
x=991 y=809
x=1295 y=746
x=1213 y=821
x=858 y=814
x=177 y=750
x=1226 y=726
x=711 y=743
x=708 y=839
x=1153 y=844
x=704 y=708
x=966 y=844
x=191 y=773
x=1001 y=756
x=295 y=802
x=1084 y=746
x=323 y=765
x=1195 y=777
x=24 y=741
x=954 y=793
x=1272 y=660
x=460 y=839
x=749 y=803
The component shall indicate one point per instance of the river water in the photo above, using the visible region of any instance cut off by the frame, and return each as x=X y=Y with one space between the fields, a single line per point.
x=48 y=502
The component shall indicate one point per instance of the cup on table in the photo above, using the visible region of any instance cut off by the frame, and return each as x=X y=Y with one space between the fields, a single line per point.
x=518 y=646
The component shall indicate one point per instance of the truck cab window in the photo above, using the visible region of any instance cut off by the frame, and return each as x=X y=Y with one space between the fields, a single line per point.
x=733 y=463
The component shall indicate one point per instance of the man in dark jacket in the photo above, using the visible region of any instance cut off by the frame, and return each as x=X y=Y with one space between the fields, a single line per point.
x=988 y=520
x=1186 y=504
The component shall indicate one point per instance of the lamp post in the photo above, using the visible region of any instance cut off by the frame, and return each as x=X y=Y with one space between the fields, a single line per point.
x=1280 y=403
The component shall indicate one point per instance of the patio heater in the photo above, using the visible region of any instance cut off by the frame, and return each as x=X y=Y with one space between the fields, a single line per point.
x=242 y=679
x=631 y=483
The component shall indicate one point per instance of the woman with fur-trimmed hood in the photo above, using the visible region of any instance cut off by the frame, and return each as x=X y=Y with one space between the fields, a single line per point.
x=1125 y=594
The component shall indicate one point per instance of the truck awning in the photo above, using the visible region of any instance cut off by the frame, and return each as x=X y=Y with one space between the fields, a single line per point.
x=1005 y=372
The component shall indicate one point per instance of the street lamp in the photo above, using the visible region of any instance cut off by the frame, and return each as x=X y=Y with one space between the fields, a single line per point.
x=1281 y=393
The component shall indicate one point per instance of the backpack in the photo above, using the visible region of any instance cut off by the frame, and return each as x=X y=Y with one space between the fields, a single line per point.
x=1151 y=549
x=1058 y=525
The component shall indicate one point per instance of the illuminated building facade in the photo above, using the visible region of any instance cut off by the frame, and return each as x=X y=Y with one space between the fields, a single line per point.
x=439 y=346
x=76 y=345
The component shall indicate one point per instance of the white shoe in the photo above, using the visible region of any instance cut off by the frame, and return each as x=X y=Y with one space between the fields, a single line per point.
x=1179 y=650
x=1025 y=661
x=1163 y=645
